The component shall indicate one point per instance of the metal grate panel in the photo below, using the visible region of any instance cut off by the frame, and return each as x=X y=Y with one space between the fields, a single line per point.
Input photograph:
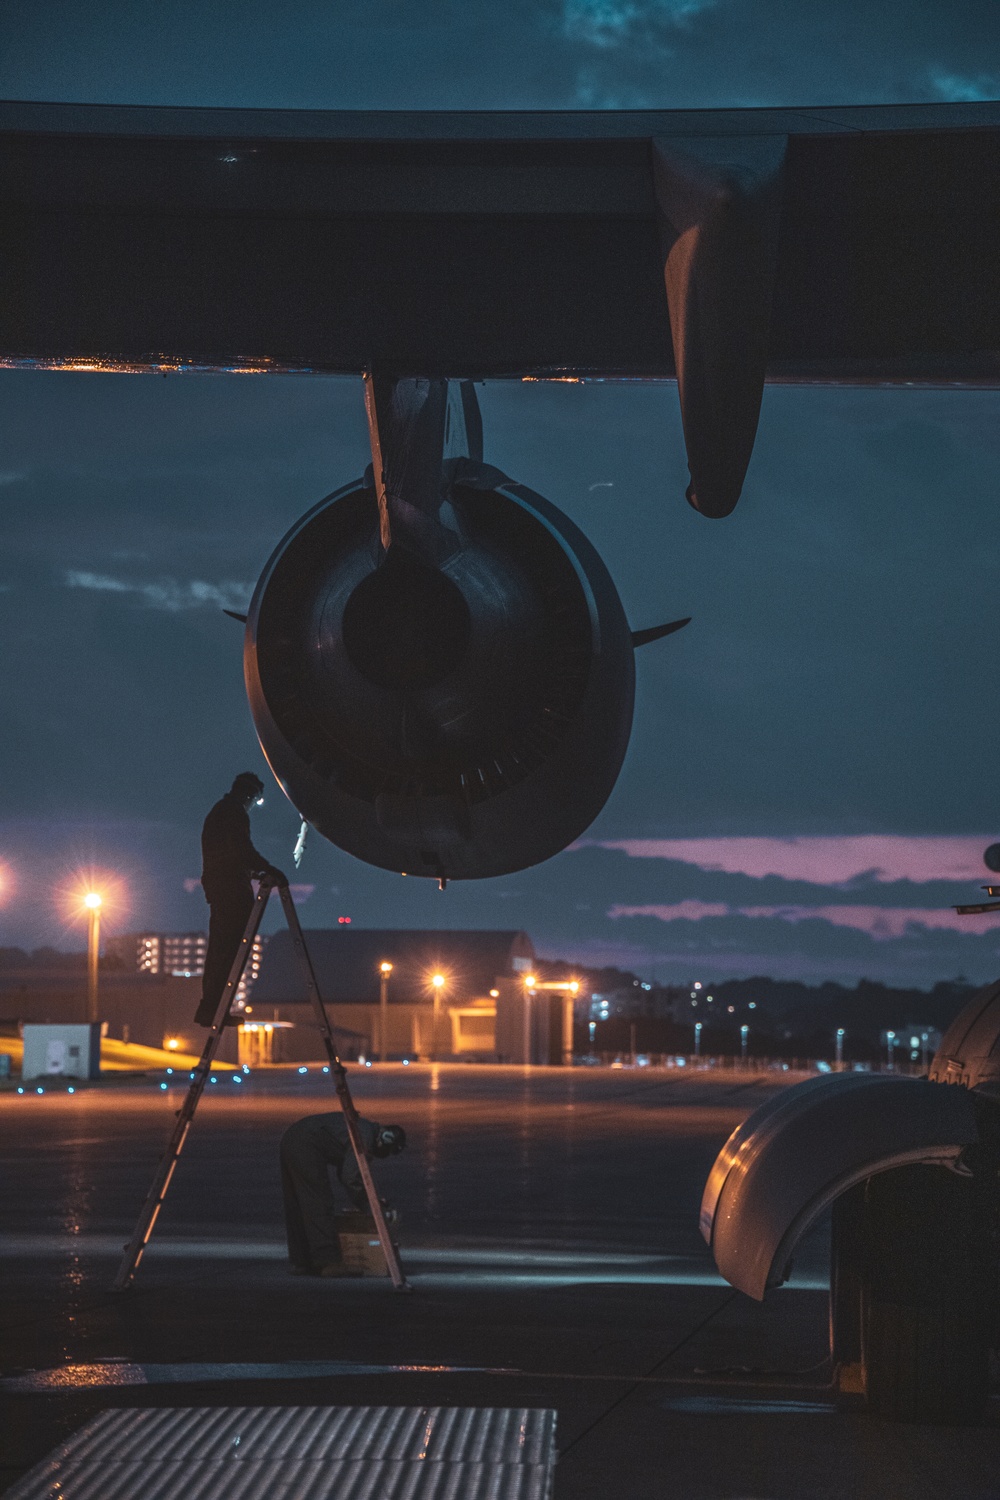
x=302 y=1453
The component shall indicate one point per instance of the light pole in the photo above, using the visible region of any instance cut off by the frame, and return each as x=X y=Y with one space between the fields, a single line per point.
x=890 y=1044
x=530 y=983
x=92 y=902
x=437 y=984
x=697 y=1038
x=840 y=1047
x=744 y=1038
x=385 y=969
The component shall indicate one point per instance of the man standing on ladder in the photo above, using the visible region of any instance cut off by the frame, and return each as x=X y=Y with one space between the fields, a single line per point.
x=229 y=862
x=309 y=1148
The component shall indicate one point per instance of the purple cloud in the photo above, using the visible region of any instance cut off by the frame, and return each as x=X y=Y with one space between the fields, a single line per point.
x=882 y=923
x=823 y=860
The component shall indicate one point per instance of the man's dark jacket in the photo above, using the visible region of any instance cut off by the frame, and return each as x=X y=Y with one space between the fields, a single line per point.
x=227 y=853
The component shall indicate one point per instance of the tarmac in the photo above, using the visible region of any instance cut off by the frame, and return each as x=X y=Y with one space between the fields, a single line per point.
x=549 y=1234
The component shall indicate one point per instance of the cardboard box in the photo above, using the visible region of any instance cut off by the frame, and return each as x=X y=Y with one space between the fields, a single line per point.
x=359 y=1245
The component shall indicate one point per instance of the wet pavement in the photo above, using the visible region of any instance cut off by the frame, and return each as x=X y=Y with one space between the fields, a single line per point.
x=549 y=1229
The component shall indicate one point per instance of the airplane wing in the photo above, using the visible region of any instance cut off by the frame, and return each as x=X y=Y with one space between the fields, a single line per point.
x=719 y=247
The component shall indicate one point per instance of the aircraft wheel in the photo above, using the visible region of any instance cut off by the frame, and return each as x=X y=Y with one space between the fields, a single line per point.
x=925 y=1325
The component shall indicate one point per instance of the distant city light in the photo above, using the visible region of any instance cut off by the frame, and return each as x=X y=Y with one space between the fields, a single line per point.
x=344 y=921
x=172 y=1043
x=494 y=994
x=386 y=968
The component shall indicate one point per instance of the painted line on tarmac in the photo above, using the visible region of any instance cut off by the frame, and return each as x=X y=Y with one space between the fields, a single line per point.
x=113 y=1373
x=433 y=1267
x=122 y=1373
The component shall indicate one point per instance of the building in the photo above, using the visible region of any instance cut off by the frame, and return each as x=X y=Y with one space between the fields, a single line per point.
x=440 y=988
x=179 y=954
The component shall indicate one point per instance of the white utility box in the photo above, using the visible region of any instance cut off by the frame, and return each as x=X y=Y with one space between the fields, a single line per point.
x=62 y=1051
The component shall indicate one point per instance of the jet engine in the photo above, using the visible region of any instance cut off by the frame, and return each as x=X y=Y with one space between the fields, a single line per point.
x=438 y=664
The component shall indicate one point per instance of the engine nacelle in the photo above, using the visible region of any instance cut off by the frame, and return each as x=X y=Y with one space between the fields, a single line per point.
x=457 y=721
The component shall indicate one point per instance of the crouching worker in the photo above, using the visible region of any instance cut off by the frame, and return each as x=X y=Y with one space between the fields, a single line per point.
x=309 y=1148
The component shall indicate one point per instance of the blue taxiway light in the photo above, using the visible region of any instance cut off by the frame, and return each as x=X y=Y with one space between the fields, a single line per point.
x=237 y=1078
x=213 y=1080
x=303 y=1070
x=163 y=1085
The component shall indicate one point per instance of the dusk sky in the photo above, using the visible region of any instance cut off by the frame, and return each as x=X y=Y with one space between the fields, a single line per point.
x=812 y=774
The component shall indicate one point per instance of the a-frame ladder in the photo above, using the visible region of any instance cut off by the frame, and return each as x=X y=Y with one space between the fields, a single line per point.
x=185 y=1115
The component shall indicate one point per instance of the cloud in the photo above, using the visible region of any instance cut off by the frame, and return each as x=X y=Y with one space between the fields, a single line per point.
x=961 y=89
x=12 y=476
x=605 y=24
x=167 y=593
x=881 y=923
x=823 y=861
x=680 y=911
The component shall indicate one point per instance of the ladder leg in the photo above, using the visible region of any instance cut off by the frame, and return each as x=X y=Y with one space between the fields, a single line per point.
x=339 y=1074
x=185 y=1115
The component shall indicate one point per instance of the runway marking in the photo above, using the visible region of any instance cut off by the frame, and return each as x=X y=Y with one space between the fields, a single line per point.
x=747 y=1406
x=433 y=1267
x=110 y=1374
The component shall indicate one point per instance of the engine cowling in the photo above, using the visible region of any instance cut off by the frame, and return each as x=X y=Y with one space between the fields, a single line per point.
x=458 y=720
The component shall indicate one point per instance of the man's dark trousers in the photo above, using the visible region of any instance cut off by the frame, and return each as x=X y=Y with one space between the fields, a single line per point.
x=230 y=903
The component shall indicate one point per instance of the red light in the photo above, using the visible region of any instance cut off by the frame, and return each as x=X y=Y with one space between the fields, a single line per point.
x=343 y=919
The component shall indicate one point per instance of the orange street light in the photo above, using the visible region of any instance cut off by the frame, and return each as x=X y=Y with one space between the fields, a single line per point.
x=530 y=981
x=92 y=902
x=385 y=969
x=438 y=982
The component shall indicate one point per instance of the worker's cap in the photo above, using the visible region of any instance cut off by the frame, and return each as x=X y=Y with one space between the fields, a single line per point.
x=390 y=1141
x=248 y=784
